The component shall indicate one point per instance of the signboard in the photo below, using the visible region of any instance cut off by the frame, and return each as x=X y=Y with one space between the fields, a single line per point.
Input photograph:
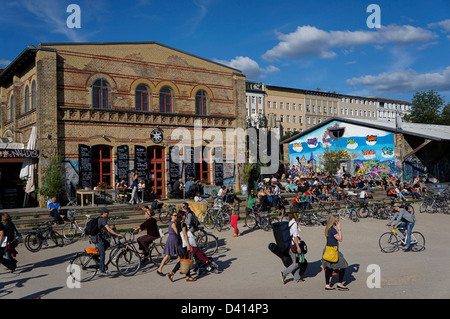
x=18 y=153
x=140 y=161
x=218 y=166
x=85 y=166
x=174 y=164
x=123 y=164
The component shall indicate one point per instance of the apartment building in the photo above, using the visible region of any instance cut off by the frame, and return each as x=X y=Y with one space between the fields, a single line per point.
x=255 y=97
x=357 y=107
x=287 y=106
x=320 y=105
x=387 y=109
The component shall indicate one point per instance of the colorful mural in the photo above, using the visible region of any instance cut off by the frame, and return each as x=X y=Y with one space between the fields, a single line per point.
x=371 y=150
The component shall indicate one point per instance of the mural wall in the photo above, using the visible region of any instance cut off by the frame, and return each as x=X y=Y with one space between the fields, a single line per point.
x=370 y=150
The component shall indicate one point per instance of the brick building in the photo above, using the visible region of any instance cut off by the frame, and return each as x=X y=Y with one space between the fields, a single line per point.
x=114 y=107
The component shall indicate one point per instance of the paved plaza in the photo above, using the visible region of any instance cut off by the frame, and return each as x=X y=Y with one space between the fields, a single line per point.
x=250 y=271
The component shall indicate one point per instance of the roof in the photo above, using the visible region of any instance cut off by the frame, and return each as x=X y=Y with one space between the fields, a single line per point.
x=427 y=131
x=134 y=43
x=29 y=53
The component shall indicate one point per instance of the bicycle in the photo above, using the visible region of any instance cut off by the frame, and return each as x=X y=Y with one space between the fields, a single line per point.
x=164 y=215
x=71 y=229
x=434 y=204
x=217 y=217
x=39 y=236
x=84 y=266
x=207 y=242
x=257 y=218
x=349 y=210
x=392 y=241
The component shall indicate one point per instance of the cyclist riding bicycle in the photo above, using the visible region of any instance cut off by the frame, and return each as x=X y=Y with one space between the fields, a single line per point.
x=403 y=219
x=151 y=226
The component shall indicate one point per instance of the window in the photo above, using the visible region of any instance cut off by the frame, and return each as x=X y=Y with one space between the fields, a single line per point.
x=287 y=106
x=294 y=118
x=141 y=98
x=201 y=102
x=101 y=164
x=27 y=99
x=268 y=104
x=274 y=105
x=281 y=105
x=165 y=100
x=100 y=94
x=33 y=95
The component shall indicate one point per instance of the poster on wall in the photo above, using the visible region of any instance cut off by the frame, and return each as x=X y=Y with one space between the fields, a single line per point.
x=370 y=149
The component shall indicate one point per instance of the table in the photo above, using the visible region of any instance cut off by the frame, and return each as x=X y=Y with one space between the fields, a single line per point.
x=83 y=192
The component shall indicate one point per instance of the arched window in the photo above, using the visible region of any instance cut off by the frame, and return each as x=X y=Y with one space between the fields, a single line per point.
x=166 y=100
x=201 y=102
x=27 y=99
x=33 y=95
x=100 y=94
x=141 y=98
x=11 y=108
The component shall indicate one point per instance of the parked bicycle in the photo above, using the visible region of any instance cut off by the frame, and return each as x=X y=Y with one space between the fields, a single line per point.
x=217 y=217
x=260 y=219
x=40 y=235
x=350 y=210
x=71 y=229
x=434 y=204
x=391 y=241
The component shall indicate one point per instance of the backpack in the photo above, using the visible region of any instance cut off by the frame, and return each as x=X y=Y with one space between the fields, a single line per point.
x=92 y=227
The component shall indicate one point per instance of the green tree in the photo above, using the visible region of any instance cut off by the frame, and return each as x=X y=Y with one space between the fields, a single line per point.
x=428 y=107
x=52 y=183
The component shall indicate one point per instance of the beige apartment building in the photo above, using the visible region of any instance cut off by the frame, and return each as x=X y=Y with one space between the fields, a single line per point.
x=287 y=106
x=357 y=107
x=319 y=106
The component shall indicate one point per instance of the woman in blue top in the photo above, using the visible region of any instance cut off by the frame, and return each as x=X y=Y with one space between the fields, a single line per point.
x=134 y=187
x=333 y=234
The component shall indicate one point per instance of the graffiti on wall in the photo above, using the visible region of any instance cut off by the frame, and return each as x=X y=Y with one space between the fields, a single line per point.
x=370 y=149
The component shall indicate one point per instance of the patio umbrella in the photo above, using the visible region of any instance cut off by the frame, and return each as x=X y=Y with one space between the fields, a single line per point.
x=29 y=166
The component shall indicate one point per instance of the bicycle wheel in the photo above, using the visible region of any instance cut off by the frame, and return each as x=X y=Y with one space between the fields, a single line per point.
x=33 y=242
x=113 y=253
x=164 y=217
x=128 y=262
x=208 y=220
x=69 y=231
x=83 y=267
x=389 y=242
x=417 y=241
x=156 y=253
x=363 y=212
x=57 y=238
x=250 y=221
x=207 y=242
x=225 y=220
x=425 y=207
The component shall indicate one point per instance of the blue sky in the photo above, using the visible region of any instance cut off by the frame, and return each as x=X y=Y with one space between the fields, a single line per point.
x=300 y=44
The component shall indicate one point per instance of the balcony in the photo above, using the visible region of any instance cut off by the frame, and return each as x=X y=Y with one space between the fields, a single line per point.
x=130 y=117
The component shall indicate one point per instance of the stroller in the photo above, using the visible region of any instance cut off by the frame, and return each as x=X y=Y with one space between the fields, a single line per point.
x=201 y=262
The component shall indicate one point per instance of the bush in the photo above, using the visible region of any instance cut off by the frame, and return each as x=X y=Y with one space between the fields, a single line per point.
x=52 y=183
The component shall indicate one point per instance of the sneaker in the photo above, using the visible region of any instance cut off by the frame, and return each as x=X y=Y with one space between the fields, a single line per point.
x=105 y=273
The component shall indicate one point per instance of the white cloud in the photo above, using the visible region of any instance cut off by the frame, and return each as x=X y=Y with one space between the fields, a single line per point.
x=249 y=67
x=404 y=81
x=311 y=41
x=444 y=24
x=54 y=15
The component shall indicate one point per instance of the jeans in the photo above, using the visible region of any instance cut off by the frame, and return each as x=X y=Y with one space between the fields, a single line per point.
x=294 y=268
x=102 y=244
x=134 y=198
x=55 y=214
x=409 y=227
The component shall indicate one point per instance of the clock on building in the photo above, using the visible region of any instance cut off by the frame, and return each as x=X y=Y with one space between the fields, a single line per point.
x=156 y=135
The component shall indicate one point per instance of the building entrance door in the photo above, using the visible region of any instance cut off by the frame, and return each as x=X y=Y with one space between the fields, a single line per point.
x=156 y=162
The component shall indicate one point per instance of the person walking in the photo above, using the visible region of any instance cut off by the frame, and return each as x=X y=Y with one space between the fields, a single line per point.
x=171 y=246
x=294 y=268
x=13 y=237
x=10 y=265
x=184 y=248
x=333 y=235
x=134 y=188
